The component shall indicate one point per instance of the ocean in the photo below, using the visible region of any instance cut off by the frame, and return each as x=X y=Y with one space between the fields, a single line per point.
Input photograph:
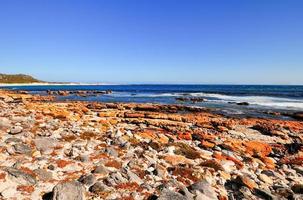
x=224 y=98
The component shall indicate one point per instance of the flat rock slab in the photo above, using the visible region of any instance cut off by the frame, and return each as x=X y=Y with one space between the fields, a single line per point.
x=20 y=176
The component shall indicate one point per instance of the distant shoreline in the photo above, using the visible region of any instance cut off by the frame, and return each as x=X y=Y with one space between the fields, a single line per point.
x=48 y=84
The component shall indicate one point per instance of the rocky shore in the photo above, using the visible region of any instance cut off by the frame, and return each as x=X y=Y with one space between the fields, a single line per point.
x=79 y=150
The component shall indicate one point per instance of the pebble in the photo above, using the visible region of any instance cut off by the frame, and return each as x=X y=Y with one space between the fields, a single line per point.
x=265 y=178
x=15 y=130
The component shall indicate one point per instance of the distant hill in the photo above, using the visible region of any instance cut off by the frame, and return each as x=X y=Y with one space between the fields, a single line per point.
x=18 y=78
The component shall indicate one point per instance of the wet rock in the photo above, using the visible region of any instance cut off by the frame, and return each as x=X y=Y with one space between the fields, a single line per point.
x=16 y=130
x=68 y=191
x=21 y=177
x=204 y=188
x=170 y=195
x=243 y=104
x=297 y=115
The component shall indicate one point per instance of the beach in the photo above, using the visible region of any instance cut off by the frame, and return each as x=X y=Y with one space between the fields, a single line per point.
x=69 y=149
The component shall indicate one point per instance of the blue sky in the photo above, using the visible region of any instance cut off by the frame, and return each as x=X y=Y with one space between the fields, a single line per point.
x=154 y=41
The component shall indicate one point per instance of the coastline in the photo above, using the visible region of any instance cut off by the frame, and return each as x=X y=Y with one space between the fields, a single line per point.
x=118 y=150
x=48 y=84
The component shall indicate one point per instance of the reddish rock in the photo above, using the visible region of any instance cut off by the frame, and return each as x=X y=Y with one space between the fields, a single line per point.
x=259 y=149
x=212 y=164
x=63 y=163
x=26 y=189
x=207 y=144
x=114 y=164
x=184 y=136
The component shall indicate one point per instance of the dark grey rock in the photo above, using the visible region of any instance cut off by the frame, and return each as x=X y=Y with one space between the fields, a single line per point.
x=51 y=167
x=20 y=176
x=101 y=169
x=13 y=140
x=97 y=187
x=171 y=195
x=297 y=188
x=264 y=194
x=84 y=158
x=87 y=179
x=22 y=149
x=205 y=188
x=111 y=151
x=43 y=174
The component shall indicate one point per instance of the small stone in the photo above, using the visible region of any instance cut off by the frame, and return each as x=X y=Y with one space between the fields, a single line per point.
x=111 y=151
x=4 y=123
x=265 y=194
x=87 y=179
x=205 y=188
x=20 y=176
x=45 y=145
x=68 y=191
x=43 y=174
x=101 y=169
x=134 y=178
x=247 y=181
x=84 y=158
x=16 y=130
x=170 y=195
x=97 y=187
x=22 y=149
x=265 y=178
x=51 y=167
x=13 y=140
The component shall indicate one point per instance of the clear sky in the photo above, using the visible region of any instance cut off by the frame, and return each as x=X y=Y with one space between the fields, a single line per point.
x=154 y=41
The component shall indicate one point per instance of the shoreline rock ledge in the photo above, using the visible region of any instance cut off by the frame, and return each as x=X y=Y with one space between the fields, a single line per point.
x=82 y=150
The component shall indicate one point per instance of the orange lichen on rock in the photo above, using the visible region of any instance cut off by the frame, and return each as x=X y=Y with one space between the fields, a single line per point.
x=114 y=164
x=184 y=136
x=177 y=159
x=130 y=186
x=26 y=189
x=256 y=148
x=221 y=156
x=63 y=163
x=293 y=160
x=207 y=144
x=2 y=176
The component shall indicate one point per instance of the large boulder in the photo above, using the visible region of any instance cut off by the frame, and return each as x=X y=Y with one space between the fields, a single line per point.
x=68 y=191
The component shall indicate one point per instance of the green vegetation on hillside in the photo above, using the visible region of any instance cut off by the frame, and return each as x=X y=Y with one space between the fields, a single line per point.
x=17 y=78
